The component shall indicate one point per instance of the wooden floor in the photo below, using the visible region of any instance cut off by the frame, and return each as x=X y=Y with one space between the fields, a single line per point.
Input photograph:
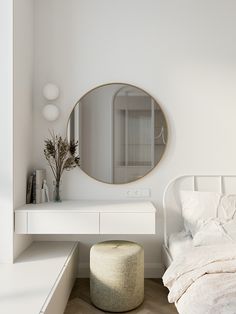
x=155 y=301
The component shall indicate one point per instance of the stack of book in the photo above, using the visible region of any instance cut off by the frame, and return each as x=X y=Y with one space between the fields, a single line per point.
x=35 y=186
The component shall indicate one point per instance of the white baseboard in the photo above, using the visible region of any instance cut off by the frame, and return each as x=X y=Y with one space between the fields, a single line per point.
x=151 y=270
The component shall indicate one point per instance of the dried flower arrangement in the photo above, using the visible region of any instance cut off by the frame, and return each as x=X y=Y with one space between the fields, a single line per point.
x=60 y=155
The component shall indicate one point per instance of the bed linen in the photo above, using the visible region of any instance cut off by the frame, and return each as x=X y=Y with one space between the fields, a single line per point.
x=179 y=243
x=204 y=280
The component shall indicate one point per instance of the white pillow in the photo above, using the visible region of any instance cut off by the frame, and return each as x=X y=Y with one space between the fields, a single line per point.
x=227 y=208
x=230 y=228
x=227 y=214
x=211 y=232
x=197 y=207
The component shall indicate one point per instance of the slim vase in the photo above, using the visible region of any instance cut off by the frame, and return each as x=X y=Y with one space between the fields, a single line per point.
x=56 y=191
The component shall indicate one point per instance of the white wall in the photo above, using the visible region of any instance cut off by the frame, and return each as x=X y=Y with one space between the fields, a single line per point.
x=6 y=130
x=181 y=52
x=23 y=109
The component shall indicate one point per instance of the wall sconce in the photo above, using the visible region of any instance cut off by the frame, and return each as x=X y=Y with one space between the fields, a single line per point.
x=50 y=111
x=51 y=91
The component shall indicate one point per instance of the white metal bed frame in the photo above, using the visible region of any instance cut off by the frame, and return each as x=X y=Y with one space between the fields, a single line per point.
x=171 y=205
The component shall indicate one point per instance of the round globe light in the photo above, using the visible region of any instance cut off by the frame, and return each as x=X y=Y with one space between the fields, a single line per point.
x=51 y=91
x=51 y=112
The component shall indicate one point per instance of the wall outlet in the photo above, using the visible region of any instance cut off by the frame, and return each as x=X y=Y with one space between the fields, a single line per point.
x=138 y=193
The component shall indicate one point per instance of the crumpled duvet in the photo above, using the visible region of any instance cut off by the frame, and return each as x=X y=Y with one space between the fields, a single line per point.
x=204 y=280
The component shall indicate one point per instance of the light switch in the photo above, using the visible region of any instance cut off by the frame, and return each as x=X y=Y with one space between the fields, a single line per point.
x=138 y=193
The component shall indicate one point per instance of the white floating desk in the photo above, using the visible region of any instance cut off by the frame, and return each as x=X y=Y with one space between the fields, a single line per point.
x=87 y=217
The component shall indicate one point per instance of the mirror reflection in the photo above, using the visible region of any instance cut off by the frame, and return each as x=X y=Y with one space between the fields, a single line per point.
x=121 y=130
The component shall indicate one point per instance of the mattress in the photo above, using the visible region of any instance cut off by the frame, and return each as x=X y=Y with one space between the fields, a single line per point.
x=180 y=243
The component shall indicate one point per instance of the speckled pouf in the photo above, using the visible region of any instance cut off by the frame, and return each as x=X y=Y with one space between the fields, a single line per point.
x=117 y=275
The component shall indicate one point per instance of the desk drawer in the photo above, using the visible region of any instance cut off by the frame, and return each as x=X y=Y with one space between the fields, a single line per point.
x=63 y=223
x=127 y=223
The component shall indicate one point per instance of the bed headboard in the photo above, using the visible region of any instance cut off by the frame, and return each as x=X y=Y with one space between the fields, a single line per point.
x=173 y=220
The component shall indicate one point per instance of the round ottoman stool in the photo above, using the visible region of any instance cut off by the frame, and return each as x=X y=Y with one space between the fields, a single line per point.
x=117 y=275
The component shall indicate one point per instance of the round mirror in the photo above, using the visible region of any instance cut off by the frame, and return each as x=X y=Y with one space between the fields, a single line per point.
x=121 y=131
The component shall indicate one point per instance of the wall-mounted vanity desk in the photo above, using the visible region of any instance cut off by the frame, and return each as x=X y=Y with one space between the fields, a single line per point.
x=86 y=217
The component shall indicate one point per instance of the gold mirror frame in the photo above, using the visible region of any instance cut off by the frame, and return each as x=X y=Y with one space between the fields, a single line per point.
x=114 y=97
